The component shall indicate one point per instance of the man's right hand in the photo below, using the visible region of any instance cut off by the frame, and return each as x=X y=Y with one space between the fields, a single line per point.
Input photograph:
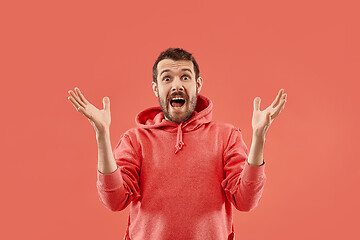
x=99 y=119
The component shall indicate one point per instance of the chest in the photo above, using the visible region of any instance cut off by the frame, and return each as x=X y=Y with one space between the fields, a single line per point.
x=199 y=161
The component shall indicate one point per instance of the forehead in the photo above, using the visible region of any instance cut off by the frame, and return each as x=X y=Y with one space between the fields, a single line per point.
x=169 y=64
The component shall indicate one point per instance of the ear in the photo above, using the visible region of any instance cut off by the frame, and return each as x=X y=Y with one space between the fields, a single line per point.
x=199 y=83
x=154 y=87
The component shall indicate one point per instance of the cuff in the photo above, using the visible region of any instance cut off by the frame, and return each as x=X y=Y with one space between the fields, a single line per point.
x=253 y=173
x=110 y=181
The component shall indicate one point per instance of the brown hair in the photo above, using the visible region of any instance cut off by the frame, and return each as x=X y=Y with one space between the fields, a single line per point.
x=175 y=54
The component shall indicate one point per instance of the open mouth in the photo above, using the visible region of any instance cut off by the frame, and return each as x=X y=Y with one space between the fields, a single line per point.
x=177 y=103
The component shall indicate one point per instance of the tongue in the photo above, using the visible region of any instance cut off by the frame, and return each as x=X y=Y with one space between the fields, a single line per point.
x=175 y=104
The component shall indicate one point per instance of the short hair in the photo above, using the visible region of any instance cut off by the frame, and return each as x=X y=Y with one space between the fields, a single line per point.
x=175 y=54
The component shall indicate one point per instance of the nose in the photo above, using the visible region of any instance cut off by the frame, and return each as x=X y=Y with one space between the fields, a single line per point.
x=177 y=85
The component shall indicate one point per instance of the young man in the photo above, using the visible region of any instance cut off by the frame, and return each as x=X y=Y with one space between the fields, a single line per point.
x=179 y=170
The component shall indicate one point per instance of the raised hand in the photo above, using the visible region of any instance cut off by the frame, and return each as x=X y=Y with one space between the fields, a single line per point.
x=261 y=120
x=99 y=119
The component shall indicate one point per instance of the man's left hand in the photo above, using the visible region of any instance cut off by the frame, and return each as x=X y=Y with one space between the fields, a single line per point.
x=261 y=120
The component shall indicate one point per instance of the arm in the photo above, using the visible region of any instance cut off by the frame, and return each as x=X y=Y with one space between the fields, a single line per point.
x=106 y=161
x=256 y=151
x=243 y=183
x=244 y=189
x=245 y=180
x=118 y=173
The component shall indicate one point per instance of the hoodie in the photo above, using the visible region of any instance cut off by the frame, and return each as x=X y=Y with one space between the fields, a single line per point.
x=181 y=180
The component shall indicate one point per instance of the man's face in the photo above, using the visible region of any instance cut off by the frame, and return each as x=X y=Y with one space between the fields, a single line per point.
x=177 y=89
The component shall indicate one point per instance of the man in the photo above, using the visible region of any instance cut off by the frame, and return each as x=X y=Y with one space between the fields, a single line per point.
x=180 y=170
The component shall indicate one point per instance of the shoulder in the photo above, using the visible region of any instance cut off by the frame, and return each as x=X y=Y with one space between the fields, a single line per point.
x=128 y=137
x=225 y=130
x=131 y=132
x=227 y=127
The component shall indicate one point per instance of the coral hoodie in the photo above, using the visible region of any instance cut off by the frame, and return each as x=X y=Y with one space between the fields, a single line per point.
x=181 y=179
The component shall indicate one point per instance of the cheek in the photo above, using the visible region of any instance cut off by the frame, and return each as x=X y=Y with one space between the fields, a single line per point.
x=163 y=92
x=192 y=87
x=192 y=91
x=162 y=95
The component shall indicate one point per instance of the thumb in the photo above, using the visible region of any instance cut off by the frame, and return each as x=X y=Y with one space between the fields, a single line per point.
x=106 y=103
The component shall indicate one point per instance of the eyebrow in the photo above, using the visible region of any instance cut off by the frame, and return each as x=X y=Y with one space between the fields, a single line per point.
x=168 y=70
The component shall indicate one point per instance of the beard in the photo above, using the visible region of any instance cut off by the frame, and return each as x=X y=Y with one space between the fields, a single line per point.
x=190 y=105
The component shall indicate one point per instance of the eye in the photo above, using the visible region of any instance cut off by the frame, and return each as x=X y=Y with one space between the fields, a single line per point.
x=186 y=76
x=166 y=79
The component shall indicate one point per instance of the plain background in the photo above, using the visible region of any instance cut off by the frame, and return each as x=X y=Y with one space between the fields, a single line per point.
x=244 y=49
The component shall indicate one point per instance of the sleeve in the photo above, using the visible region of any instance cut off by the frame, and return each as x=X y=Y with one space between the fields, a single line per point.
x=243 y=183
x=117 y=189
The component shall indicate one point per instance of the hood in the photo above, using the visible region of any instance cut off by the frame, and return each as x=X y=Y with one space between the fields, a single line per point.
x=153 y=117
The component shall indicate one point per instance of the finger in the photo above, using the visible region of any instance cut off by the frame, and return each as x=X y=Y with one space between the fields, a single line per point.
x=81 y=96
x=75 y=103
x=106 y=103
x=268 y=117
x=283 y=105
x=84 y=112
x=79 y=108
x=257 y=101
x=80 y=102
x=276 y=101
x=278 y=109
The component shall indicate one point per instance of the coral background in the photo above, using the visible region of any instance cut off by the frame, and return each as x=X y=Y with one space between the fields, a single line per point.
x=244 y=49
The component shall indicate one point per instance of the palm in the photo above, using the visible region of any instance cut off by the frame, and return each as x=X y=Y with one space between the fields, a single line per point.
x=99 y=119
x=261 y=120
x=96 y=116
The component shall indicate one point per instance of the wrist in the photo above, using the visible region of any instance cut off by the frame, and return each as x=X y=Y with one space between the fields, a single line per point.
x=102 y=134
x=258 y=139
x=255 y=164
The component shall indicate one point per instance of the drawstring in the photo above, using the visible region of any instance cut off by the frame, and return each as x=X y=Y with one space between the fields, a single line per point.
x=179 y=142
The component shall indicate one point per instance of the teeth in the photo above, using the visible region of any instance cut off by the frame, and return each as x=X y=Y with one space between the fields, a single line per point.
x=177 y=98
